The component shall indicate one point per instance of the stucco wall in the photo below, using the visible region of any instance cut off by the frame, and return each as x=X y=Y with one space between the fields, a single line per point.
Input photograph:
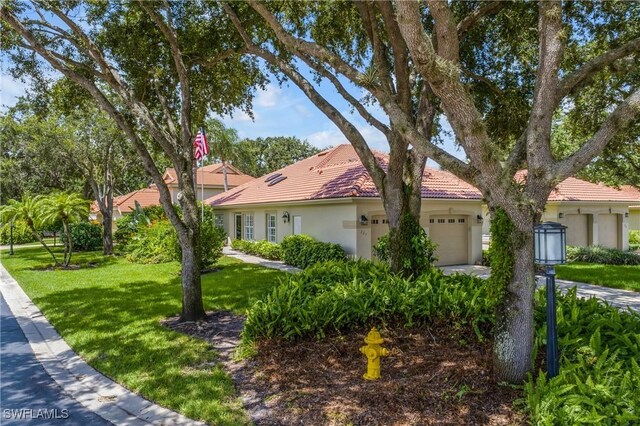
x=340 y=222
x=326 y=222
x=208 y=192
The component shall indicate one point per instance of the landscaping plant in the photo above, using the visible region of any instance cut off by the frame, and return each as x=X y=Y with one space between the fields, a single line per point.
x=21 y=233
x=603 y=255
x=303 y=251
x=262 y=248
x=86 y=236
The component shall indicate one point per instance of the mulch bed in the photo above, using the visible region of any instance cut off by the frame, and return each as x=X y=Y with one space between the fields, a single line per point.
x=430 y=377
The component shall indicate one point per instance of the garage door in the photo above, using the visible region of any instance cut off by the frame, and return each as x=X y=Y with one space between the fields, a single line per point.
x=608 y=230
x=577 y=230
x=379 y=228
x=450 y=233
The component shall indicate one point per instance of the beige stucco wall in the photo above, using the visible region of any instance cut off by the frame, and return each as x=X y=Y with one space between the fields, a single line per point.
x=339 y=222
x=208 y=192
x=554 y=209
x=333 y=222
x=634 y=219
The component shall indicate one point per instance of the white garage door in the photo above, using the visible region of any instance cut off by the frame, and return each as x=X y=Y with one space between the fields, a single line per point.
x=450 y=233
x=608 y=230
x=577 y=230
x=379 y=228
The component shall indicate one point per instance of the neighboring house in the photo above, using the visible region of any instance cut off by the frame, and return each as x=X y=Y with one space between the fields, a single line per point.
x=212 y=176
x=595 y=214
x=634 y=210
x=331 y=197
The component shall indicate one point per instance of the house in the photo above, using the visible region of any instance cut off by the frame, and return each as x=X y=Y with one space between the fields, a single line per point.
x=595 y=214
x=634 y=210
x=212 y=176
x=331 y=197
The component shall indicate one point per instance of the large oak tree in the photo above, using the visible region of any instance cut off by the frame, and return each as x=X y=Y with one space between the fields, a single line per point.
x=498 y=71
x=156 y=69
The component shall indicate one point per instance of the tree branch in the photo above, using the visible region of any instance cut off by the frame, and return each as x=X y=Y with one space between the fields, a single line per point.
x=625 y=113
x=490 y=8
x=585 y=73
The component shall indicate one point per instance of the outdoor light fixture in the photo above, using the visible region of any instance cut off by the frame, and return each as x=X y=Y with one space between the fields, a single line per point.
x=480 y=218
x=626 y=214
x=285 y=217
x=364 y=220
x=560 y=215
x=550 y=240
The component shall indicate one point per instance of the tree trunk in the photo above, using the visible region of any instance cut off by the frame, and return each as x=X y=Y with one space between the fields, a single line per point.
x=67 y=244
x=402 y=199
x=513 y=344
x=107 y=234
x=38 y=236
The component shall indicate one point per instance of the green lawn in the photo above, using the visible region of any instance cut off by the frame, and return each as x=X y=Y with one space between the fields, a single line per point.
x=110 y=315
x=615 y=276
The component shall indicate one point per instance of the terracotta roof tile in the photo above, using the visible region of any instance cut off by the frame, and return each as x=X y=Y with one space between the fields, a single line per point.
x=574 y=189
x=126 y=203
x=335 y=173
x=633 y=191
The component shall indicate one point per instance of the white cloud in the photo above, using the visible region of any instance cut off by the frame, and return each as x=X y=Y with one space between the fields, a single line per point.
x=325 y=138
x=303 y=110
x=10 y=90
x=268 y=97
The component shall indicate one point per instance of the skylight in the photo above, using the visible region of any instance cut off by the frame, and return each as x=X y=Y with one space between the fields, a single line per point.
x=277 y=180
x=272 y=177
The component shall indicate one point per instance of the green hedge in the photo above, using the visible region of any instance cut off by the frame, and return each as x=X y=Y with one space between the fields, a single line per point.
x=345 y=295
x=602 y=255
x=86 y=236
x=634 y=237
x=262 y=248
x=303 y=251
x=21 y=233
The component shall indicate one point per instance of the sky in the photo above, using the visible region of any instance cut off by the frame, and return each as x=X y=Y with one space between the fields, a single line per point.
x=278 y=110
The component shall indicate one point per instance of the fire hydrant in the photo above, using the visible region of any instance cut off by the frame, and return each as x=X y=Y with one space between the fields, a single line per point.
x=373 y=352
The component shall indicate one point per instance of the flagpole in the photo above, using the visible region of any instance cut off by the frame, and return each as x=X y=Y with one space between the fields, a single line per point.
x=202 y=188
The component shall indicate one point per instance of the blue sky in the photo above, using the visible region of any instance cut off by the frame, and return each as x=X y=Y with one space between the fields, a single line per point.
x=278 y=111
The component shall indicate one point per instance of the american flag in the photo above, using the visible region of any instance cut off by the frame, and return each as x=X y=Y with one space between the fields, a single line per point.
x=200 y=144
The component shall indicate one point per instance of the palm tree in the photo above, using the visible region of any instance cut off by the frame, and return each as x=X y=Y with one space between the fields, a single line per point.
x=29 y=211
x=68 y=208
x=223 y=144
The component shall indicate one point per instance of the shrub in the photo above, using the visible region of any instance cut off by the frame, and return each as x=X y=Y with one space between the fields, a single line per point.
x=211 y=243
x=634 y=237
x=303 y=251
x=21 y=233
x=86 y=236
x=262 y=248
x=155 y=243
x=345 y=295
x=599 y=375
x=603 y=255
x=421 y=255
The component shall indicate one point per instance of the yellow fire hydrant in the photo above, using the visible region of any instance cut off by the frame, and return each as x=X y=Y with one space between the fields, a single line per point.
x=373 y=352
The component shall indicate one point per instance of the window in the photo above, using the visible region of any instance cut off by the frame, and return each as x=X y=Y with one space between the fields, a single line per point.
x=271 y=227
x=452 y=221
x=432 y=221
x=218 y=221
x=248 y=227
x=460 y=220
x=440 y=220
x=238 y=226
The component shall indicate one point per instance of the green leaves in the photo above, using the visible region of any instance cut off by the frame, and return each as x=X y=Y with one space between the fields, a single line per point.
x=303 y=251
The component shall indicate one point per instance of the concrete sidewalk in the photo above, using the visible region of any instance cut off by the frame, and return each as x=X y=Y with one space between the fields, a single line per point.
x=80 y=382
x=247 y=258
x=619 y=298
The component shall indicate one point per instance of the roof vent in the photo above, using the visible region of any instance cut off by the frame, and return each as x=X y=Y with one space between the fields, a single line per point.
x=323 y=153
x=272 y=177
x=277 y=180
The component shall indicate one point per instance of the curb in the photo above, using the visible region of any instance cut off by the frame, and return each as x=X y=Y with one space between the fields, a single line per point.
x=83 y=383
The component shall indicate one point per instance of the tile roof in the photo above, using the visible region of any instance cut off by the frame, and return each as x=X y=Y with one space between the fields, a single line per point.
x=127 y=203
x=213 y=176
x=335 y=173
x=633 y=192
x=574 y=189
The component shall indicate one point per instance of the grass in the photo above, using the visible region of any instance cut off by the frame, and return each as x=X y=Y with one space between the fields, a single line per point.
x=625 y=277
x=110 y=315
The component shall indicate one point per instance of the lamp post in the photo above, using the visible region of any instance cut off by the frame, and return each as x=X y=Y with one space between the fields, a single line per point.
x=11 y=237
x=550 y=247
